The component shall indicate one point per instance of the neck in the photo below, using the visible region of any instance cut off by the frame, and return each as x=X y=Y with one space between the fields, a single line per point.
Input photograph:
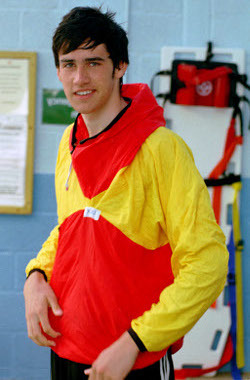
x=97 y=121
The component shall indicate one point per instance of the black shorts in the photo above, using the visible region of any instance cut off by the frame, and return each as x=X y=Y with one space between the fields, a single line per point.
x=63 y=369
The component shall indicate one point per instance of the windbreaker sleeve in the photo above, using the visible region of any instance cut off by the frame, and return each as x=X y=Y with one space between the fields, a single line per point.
x=199 y=254
x=46 y=257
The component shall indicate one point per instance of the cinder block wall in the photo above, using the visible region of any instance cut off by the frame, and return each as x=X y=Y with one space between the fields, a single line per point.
x=27 y=25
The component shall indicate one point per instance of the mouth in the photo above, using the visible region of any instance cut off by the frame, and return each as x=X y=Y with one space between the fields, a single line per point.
x=84 y=93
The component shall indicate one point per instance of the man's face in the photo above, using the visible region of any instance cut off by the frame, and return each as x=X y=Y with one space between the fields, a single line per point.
x=90 y=82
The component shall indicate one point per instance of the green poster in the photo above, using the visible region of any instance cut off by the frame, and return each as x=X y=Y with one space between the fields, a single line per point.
x=56 y=108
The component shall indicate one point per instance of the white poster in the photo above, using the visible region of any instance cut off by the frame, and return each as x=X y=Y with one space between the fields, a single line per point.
x=13 y=130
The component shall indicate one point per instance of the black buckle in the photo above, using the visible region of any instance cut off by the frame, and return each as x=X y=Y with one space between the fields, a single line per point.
x=240 y=245
x=231 y=278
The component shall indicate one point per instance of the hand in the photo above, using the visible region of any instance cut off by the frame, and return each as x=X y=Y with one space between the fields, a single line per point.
x=116 y=361
x=39 y=296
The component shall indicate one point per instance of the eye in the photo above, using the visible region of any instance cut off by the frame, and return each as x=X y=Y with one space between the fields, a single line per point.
x=68 y=65
x=94 y=64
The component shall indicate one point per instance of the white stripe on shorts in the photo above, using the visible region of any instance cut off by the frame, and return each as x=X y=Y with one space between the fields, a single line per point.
x=165 y=368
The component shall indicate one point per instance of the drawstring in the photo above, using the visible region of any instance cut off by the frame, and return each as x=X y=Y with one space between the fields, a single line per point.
x=67 y=181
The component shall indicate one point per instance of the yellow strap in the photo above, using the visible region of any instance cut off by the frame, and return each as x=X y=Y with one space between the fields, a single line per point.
x=240 y=359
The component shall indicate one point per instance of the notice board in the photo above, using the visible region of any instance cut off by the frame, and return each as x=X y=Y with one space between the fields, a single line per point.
x=17 y=119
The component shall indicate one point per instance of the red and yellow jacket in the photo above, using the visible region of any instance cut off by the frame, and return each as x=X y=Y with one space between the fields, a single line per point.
x=137 y=244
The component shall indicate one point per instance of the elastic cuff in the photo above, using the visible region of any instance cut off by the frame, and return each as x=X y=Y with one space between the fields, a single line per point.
x=37 y=270
x=137 y=340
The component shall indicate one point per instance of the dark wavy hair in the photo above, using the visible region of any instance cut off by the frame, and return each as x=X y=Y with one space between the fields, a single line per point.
x=90 y=25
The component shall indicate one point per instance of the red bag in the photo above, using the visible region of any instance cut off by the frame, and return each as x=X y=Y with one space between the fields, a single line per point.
x=203 y=83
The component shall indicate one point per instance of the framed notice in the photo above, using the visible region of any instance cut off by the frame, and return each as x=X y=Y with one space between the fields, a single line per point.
x=17 y=118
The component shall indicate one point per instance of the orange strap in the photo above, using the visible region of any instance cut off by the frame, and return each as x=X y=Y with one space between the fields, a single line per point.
x=222 y=164
x=216 y=202
x=231 y=142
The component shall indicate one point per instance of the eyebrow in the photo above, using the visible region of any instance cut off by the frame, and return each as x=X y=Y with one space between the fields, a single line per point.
x=95 y=59
x=67 y=60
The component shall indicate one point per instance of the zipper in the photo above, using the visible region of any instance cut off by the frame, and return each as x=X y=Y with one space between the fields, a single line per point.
x=67 y=181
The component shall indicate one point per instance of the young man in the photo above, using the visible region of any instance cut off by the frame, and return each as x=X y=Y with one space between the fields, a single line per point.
x=137 y=256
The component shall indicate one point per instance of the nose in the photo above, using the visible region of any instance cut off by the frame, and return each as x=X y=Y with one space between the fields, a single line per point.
x=81 y=76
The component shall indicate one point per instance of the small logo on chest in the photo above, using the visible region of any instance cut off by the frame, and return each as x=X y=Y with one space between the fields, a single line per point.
x=91 y=212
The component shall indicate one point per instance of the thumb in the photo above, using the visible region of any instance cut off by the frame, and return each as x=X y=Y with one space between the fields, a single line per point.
x=87 y=371
x=57 y=311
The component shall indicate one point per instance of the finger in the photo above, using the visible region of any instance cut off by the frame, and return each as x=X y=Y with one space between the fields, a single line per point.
x=35 y=334
x=96 y=374
x=29 y=330
x=42 y=341
x=88 y=371
x=46 y=326
x=91 y=373
x=53 y=303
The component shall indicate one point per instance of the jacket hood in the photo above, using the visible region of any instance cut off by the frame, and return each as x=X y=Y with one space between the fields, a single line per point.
x=144 y=106
x=97 y=160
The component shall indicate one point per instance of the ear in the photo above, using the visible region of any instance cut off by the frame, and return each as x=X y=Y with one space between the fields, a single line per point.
x=121 y=70
x=58 y=73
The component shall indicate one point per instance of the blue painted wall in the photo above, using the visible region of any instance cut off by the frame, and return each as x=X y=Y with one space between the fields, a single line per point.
x=28 y=25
